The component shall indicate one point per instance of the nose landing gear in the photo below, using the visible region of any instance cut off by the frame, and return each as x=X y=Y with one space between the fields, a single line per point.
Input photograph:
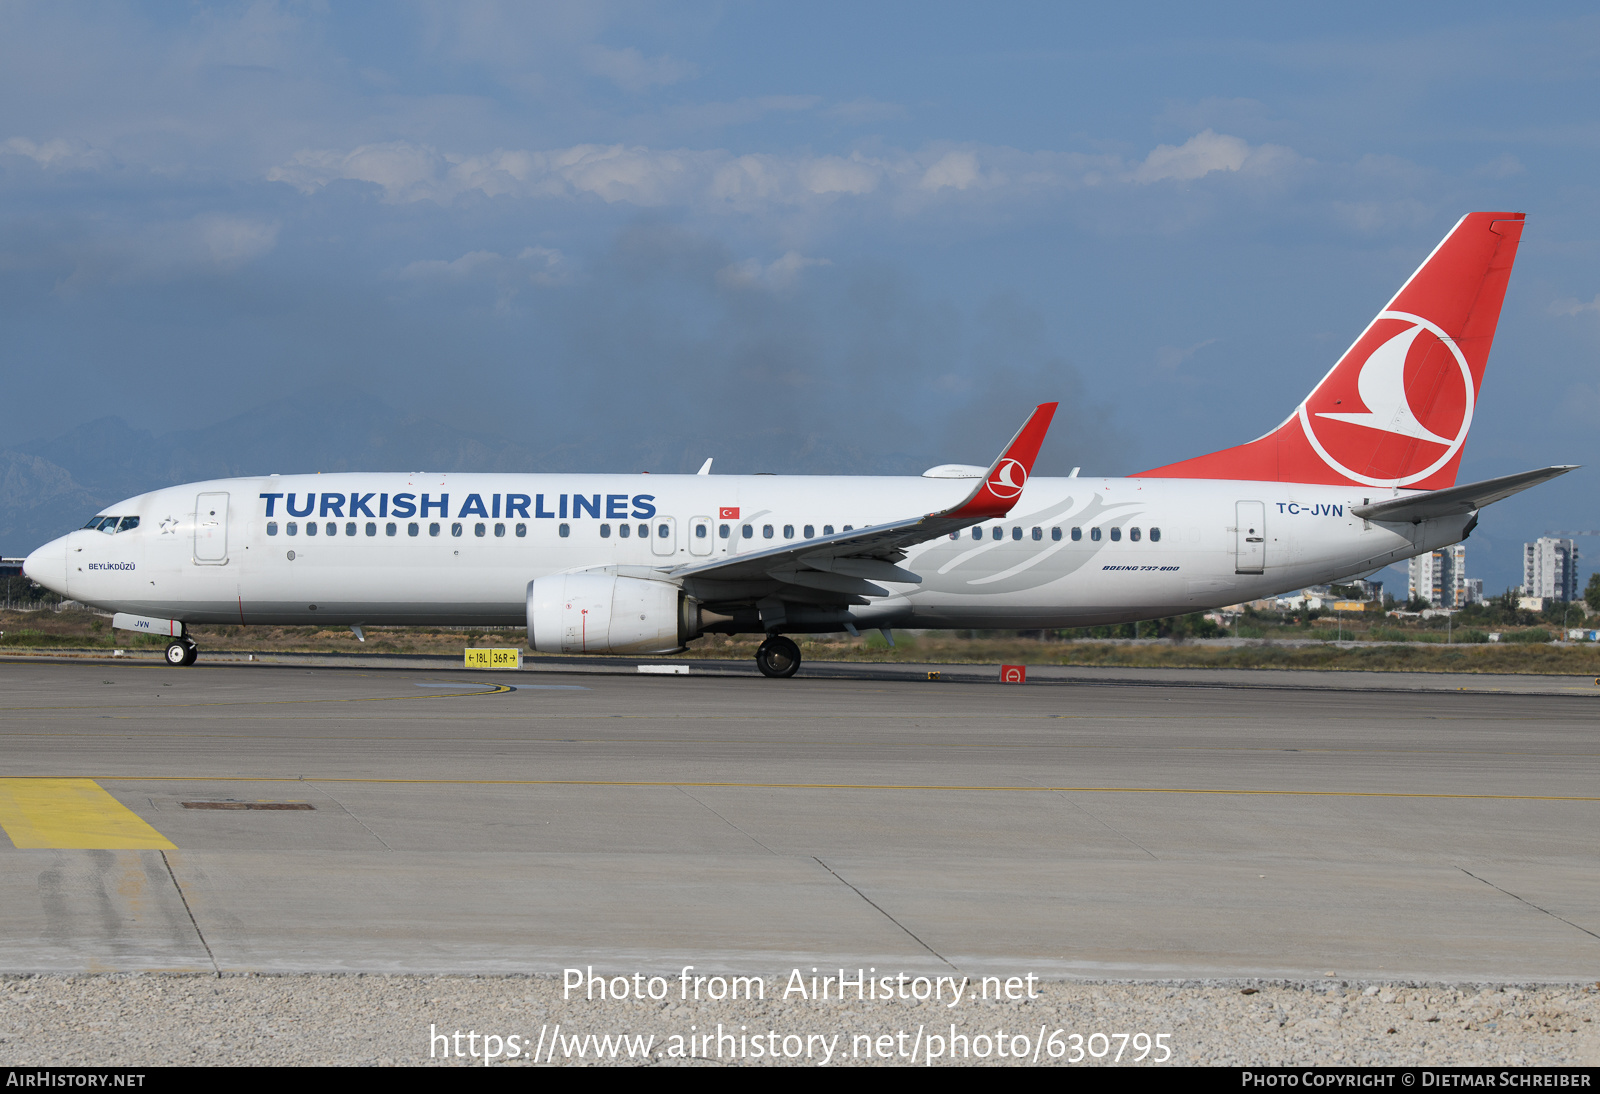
x=182 y=652
x=778 y=657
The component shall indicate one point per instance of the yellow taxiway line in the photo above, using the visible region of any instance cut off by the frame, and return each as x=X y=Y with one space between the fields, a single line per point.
x=667 y=784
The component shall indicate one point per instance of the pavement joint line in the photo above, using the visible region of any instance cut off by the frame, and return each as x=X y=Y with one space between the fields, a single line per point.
x=216 y=970
x=726 y=821
x=842 y=786
x=909 y=933
x=1529 y=903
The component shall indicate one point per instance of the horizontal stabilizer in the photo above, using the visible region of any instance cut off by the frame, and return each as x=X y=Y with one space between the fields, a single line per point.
x=1457 y=501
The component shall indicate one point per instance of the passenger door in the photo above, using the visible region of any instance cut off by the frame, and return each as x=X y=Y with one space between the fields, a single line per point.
x=211 y=530
x=1251 y=536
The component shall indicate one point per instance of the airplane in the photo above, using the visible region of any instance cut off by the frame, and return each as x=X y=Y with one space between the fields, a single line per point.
x=1360 y=475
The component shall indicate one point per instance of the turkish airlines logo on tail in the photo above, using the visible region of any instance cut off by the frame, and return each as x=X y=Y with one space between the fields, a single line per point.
x=1417 y=391
x=1008 y=479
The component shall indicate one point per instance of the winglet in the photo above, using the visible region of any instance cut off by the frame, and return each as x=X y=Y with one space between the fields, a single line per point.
x=1002 y=486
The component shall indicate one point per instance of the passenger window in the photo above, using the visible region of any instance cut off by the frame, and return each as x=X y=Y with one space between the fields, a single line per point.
x=128 y=524
x=1055 y=535
x=1155 y=535
x=564 y=531
x=955 y=535
x=479 y=529
x=849 y=527
x=391 y=528
x=605 y=531
x=292 y=528
x=413 y=528
x=977 y=533
x=1133 y=534
x=788 y=531
x=644 y=531
x=433 y=528
x=827 y=529
x=272 y=527
x=349 y=528
x=1016 y=533
x=999 y=532
x=1116 y=534
x=499 y=531
x=1094 y=534
x=664 y=531
x=766 y=531
x=522 y=531
x=722 y=530
x=455 y=529
x=748 y=531
x=333 y=529
x=699 y=531
x=372 y=528
x=624 y=530
x=311 y=528
x=1038 y=533
x=811 y=531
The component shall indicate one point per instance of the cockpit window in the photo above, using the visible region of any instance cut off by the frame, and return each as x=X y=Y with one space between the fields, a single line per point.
x=128 y=524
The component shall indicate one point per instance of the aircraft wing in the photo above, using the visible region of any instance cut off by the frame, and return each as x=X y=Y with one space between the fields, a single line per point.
x=1457 y=500
x=846 y=564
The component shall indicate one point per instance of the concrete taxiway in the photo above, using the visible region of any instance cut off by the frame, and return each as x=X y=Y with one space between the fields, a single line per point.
x=1105 y=826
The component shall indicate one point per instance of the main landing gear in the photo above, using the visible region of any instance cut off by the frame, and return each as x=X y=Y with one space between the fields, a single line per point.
x=181 y=652
x=778 y=657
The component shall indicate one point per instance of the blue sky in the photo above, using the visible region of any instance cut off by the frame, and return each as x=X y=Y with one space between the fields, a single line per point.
x=891 y=227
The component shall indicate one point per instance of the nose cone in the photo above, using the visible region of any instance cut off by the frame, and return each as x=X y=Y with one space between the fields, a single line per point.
x=48 y=566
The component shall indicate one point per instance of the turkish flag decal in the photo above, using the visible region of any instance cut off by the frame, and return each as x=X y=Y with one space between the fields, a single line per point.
x=728 y=512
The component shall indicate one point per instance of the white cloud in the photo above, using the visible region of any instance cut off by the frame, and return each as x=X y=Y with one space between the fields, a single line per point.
x=1201 y=154
x=720 y=179
x=233 y=241
x=1501 y=167
x=781 y=274
x=162 y=251
x=541 y=266
x=958 y=171
x=59 y=154
x=862 y=111
x=633 y=71
x=1573 y=306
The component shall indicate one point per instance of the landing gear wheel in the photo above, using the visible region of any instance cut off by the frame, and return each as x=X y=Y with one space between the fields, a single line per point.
x=778 y=657
x=182 y=652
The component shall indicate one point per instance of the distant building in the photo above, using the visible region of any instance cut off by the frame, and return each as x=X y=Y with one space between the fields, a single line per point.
x=1440 y=578
x=1550 y=569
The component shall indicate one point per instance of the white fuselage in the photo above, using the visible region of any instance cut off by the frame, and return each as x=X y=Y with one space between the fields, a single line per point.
x=287 y=550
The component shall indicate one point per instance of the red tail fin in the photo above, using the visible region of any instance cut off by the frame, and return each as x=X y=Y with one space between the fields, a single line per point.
x=1395 y=410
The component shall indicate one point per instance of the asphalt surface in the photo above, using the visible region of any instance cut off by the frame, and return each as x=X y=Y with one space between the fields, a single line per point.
x=1135 y=825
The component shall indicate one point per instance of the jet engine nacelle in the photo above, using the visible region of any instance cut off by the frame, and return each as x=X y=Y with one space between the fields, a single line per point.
x=607 y=613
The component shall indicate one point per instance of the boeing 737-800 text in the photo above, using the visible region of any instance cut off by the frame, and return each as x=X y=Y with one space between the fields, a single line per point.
x=1361 y=474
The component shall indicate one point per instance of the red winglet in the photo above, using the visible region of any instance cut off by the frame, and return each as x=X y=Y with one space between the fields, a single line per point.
x=1002 y=486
